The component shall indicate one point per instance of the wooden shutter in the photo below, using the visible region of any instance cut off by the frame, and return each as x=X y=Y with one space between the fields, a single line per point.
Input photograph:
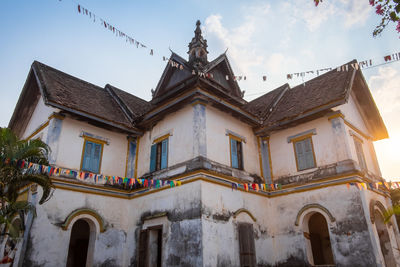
x=300 y=155
x=143 y=248
x=164 y=154
x=95 y=165
x=246 y=245
x=153 y=156
x=130 y=172
x=87 y=156
x=234 y=156
x=309 y=154
x=239 y=155
x=360 y=154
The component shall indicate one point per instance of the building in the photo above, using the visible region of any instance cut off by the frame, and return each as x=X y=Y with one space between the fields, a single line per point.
x=313 y=140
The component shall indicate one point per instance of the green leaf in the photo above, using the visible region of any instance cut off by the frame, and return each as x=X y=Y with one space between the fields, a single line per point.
x=393 y=16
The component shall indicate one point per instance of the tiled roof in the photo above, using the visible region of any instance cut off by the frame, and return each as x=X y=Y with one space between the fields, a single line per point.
x=111 y=104
x=325 y=89
x=136 y=105
x=322 y=90
x=262 y=106
x=72 y=93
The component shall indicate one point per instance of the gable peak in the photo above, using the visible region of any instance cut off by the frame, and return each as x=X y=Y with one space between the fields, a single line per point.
x=198 y=49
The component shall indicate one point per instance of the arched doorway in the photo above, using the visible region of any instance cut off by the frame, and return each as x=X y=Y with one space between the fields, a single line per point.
x=320 y=240
x=78 y=244
x=384 y=240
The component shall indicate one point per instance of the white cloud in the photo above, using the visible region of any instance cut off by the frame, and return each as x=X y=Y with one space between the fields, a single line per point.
x=238 y=40
x=385 y=89
x=355 y=12
x=278 y=63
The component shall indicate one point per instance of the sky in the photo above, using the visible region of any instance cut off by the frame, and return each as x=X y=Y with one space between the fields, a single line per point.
x=271 y=38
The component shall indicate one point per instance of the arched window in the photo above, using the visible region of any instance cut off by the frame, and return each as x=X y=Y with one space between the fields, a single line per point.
x=78 y=244
x=84 y=224
x=320 y=240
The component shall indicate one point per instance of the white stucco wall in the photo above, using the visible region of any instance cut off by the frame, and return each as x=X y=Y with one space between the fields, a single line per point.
x=218 y=146
x=123 y=219
x=40 y=115
x=71 y=146
x=351 y=111
x=180 y=144
x=277 y=238
x=282 y=153
x=368 y=151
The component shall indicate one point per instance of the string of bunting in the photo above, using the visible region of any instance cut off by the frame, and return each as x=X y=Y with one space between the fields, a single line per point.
x=375 y=185
x=365 y=64
x=256 y=187
x=84 y=11
x=93 y=178
x=101 y=179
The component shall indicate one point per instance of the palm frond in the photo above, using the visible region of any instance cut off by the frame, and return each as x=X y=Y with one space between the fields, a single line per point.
x=395 y=210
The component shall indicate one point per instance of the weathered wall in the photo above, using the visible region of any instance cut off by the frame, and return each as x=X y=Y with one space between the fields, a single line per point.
x=39 y=116
x=278 y=241
x=283 y=155
x=71 y=146
x=368 y=198
x=218 y=147
x=180 y=144
x=117 y=246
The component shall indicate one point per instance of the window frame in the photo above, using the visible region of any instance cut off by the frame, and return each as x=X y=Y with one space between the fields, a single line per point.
x=95 y=141
x=356 y=139
x=159 y=153
x=137 y=142
x=240 y=158
x=301 y=139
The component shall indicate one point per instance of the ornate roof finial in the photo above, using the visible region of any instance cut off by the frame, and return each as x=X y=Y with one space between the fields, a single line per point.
x=198 y=49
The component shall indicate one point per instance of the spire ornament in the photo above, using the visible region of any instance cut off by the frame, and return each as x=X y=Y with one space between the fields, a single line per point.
x=198 y=49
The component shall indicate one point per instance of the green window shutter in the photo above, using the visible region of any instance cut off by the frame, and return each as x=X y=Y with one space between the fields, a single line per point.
x=153 y=155
x=96 y=158
x=309 y=155
x=164 y=154
x=300 y=155
x=131 y=159
x=234 y=156
x=87 y=156
x=304 y=154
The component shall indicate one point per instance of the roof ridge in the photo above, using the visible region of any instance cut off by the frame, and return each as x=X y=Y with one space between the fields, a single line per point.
x=64 y=73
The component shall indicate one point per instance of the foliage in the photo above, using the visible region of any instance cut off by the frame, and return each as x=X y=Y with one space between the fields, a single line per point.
x=395 y=209
x=13 y=178
x=388 y=9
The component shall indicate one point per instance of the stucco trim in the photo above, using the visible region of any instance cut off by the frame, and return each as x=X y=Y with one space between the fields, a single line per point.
x=86 y=211
x=375 y=203
x=38 y=130
x=234 y=135
x=313 y=206
x=301 y=136
x=236 y=213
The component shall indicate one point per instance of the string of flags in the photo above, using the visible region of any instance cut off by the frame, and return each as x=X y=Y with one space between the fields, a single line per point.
x=136 y=183
x=375 y=185
x=365 y=64
x=84 y=11
x=256 y=187
x=132 y=183
x=93 y=178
